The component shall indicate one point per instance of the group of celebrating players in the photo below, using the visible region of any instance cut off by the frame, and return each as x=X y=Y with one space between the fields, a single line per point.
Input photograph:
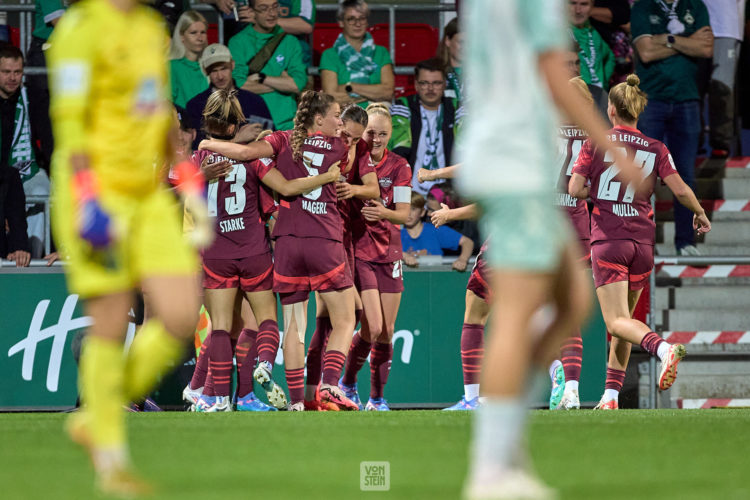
x=331 y=196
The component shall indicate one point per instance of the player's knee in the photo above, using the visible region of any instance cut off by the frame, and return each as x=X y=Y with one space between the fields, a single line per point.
x=181 y=324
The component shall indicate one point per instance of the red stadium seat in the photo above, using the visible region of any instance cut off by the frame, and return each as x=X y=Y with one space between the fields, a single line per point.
x=212 y=34
x=414 y=41
x=324 y=35
x=15 y=37
x=404 y=86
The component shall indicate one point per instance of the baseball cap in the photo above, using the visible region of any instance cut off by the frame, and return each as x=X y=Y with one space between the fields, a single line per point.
x=214 y=53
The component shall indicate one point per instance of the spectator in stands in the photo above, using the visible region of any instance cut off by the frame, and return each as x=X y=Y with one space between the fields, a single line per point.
x=268 y=62
x=422 y=238
x=449 y=51
x=217 y=63
x=728 y=28
x=425 y=124
x=17 y=144
x=47 y=13
x=597 y=59
x=668 y=38
x=296 y=17
x=601 y=99
x=188 y=41
x=14 y=244
x=611 y=18
x=355 y=69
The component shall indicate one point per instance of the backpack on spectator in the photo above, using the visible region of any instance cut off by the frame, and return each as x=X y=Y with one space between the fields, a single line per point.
x=259 y=60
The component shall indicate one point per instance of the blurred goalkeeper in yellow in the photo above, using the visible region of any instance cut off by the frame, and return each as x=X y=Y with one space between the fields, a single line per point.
x=114 y=217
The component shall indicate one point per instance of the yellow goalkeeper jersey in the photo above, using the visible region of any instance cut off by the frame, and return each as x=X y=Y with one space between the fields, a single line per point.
x=109 y=93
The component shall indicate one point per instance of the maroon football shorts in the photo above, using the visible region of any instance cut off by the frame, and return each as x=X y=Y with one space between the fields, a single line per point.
x=622 y=260
x=585 y=252
x=385 y=277
x=250 y=274
x=307 y=264
x=479 y=280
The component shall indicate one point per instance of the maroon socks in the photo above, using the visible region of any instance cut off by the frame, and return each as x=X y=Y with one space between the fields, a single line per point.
x=220 y=361
x=333 y=362
x=472 y=351
x=268 y=341
x=295 y=381
x=318 y=344
x=571 y=353
x=245 y=353
x=380 y=366
x=358 y=353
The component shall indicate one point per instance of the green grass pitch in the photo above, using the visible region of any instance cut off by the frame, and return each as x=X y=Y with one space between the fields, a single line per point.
x=664 y=454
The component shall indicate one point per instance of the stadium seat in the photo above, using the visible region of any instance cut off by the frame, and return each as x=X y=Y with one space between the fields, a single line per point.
x=212 y=34
x=414 y=41
x=15 y=37
x=324 y=35
x=404 y=86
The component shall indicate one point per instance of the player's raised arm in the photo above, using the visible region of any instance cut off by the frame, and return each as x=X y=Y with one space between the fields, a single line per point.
x=276 y=181
x=426 y=174
x=241 y=152
x=447 y=214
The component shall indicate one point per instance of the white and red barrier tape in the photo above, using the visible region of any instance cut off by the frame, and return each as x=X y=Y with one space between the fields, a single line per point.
x=694 y=404
x=738 y=162
x=710 y=205
x=717 y=271
x=725 y=337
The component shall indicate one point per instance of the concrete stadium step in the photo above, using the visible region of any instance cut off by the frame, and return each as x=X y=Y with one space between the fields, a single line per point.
x=722 y=233
x=702 y=379
x=709 y=318
x=701 y=296
x=735 y=188
x=667 y=249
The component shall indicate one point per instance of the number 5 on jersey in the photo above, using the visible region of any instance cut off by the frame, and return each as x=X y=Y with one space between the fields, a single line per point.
x=312 y=162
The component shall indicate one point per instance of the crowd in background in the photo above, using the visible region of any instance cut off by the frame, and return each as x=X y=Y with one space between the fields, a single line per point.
x=267 y=61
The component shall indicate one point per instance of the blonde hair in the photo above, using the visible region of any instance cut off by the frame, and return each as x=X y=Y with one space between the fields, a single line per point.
x=310 y=104
x=222 y=110
x=628 y=99
x=378 y=108
x=577 y=83
x=187 y=19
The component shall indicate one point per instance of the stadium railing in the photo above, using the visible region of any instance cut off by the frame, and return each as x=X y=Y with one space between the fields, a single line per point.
x=26 y=11
x=701 y=261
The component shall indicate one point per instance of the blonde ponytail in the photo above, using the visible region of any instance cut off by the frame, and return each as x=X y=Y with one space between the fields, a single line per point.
x=628 y=99
x=222 y=110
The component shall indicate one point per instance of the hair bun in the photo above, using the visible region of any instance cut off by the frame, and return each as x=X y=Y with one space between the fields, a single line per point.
x=633 y=80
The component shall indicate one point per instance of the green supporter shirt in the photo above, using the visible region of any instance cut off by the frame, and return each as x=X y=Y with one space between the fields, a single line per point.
x=287 y=57
x=304 y=9
x=46 y=12
x=600 y=55
x=331 y=61
x=187 y=80
x=672 y=79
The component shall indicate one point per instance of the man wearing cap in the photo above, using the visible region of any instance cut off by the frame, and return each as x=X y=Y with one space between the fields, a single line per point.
x=218 y=65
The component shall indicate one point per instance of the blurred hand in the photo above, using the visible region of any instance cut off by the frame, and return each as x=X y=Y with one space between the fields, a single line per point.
x=248 y=133
x=215 y=170
x=440 y=217
x=20 y=257
x=203 y=231
x=344 y=190
x=459 y=265
x=51 y=258
x=334 y=171
x=246 y=14
x=225 y=6
x=410 y=259
x=205 y=144
x=373 y=212
x=701 y=223
x=424 y=175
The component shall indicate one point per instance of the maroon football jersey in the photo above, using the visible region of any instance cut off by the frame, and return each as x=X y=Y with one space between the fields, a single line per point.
x=239 y=204
x=315 y=213
x=570 y=141
x=621 y=213
x=381 y=241
x=349 y=209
